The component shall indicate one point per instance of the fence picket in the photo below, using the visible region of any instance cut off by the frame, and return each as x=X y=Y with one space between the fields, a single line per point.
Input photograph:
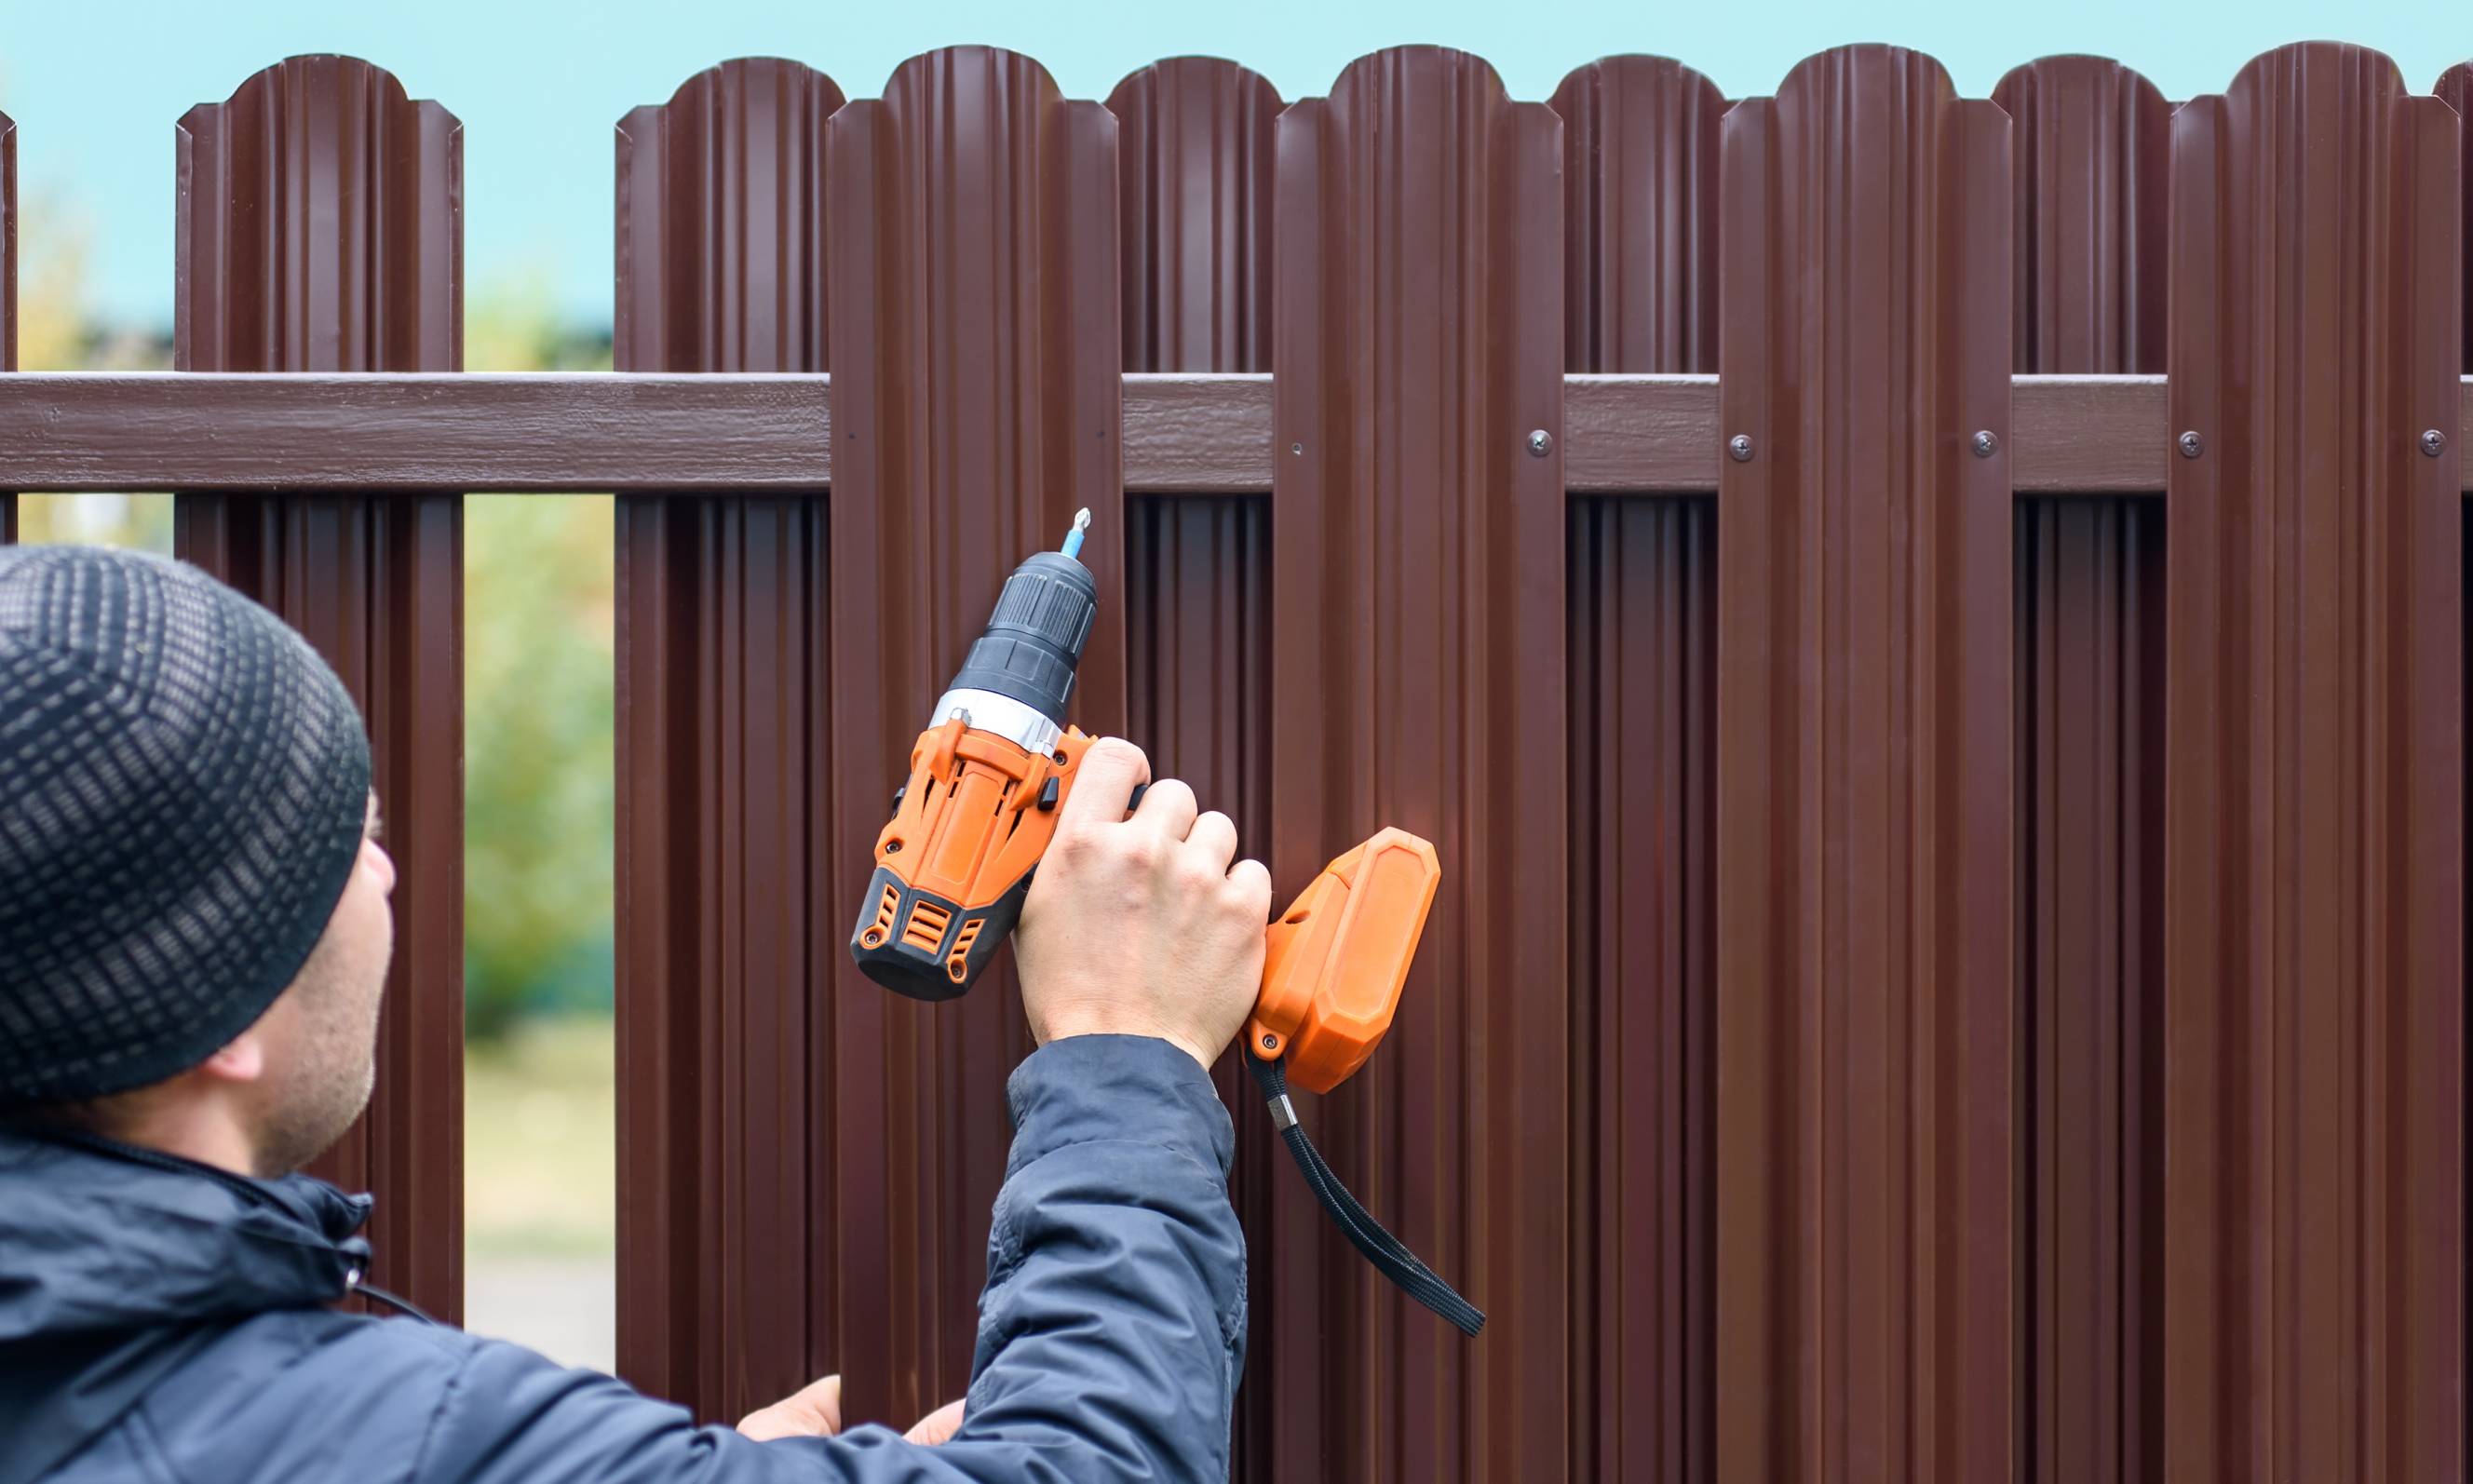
x=1639 y=191
x=1864 y=1141
x=1194 y=147
x=1416 y=626
x=727 y=935
x=2090 y=150
x=1195 y=150
x=1640 y=194
x=2313 y=1239
x=2454 y=88
x=974 y=281
x=321 y=230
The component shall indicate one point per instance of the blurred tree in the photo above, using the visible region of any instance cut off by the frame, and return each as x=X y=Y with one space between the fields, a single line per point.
x=139 y=522
x=509 y=325
x=55 y=328
x=53 y=246
x=538 y=713
x=56 y=333
x=539 y=707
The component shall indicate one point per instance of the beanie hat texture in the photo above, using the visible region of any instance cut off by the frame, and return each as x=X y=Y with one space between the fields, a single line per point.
x=183 y=788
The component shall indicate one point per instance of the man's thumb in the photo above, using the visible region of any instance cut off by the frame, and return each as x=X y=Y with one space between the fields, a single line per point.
x=937 y=1426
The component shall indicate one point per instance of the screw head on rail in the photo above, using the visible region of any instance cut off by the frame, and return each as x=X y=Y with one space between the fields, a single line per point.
x=1297 y=450
x=1739 y=448
x=2191 y=446
x=1539 y=444
x=2434 y=442
x=1985 y=443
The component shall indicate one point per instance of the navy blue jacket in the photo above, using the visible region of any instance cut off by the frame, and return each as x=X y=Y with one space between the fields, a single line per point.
x=164 y=1323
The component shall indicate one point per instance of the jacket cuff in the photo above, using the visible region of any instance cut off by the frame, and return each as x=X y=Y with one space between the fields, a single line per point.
x=1087 y=1089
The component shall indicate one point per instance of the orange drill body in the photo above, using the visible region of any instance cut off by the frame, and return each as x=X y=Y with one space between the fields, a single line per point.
x=954 y=863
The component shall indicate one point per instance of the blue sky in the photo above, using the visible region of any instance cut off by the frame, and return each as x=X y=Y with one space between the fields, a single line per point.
x=96 y=85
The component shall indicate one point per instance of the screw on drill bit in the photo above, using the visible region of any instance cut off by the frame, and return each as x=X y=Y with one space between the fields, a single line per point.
x=1073 y=538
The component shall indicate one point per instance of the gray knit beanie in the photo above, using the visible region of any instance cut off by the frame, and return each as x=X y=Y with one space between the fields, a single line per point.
x=183 y=785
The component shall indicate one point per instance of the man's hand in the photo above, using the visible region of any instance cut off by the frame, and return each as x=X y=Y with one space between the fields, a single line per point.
x=1141 y=926
x=815 y=1411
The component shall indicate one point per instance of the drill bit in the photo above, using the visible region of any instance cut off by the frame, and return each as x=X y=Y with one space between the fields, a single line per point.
x=1073 y=539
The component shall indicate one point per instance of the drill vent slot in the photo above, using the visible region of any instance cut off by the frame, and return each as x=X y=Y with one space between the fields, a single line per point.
x=886 y=906
x=957 y=962
x=926 y=929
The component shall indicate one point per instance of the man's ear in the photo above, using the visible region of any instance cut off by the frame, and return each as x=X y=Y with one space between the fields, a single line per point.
x=241 y=1059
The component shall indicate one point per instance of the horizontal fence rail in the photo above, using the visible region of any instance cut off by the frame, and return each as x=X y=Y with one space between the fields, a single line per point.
x=604 y=431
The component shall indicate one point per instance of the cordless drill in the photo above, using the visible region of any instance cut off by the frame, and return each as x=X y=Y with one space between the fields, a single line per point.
x=987 y=781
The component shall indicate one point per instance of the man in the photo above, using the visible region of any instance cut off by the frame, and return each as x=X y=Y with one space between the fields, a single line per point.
x=194 y=933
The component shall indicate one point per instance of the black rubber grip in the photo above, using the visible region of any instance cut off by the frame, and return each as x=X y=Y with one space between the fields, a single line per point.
x=1034 y=639
x=912 y=942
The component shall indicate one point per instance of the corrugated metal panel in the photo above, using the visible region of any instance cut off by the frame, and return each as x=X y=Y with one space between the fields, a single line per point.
x=1865 y=1312
x=727 y=932
x=2090 y=147
x=2314 y=1252
x=1194 y=153
x=973 y=276
x=2090 y=839
x=1643 y=1027
x=1639 y=191
x=1417 y=621
x=1197 y=590
x=322 y=229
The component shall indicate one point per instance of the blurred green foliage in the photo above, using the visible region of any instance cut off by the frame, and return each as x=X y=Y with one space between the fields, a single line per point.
x=538 y=713
x=539 y=707
x=134 y=522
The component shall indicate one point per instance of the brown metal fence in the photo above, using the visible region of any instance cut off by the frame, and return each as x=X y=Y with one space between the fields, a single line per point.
x=1928 y=633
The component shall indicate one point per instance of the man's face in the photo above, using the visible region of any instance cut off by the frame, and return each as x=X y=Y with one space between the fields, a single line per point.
x=321 y=1034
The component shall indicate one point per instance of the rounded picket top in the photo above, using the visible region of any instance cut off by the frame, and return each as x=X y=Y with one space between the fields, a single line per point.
x=740 y=143
x=1195 y=159
x=361 y=269
x=1640 y=211
x=2091 y=146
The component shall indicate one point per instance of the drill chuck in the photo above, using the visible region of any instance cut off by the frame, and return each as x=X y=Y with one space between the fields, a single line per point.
x=1034 y=639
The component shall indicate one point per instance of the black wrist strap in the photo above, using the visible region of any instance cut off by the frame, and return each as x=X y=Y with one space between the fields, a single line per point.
x=1366 y=1234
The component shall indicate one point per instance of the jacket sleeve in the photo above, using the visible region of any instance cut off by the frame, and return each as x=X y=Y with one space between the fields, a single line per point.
x=1112 y=1328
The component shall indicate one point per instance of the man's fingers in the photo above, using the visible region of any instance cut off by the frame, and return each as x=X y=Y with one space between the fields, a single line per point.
x=1102 y=784
x=1252 y=880
x=1214 y=834
x=813 y=1411
x=937 y=1426
x=1168 y=808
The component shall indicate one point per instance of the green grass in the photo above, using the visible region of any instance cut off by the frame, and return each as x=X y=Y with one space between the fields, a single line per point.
x=539 y=1141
